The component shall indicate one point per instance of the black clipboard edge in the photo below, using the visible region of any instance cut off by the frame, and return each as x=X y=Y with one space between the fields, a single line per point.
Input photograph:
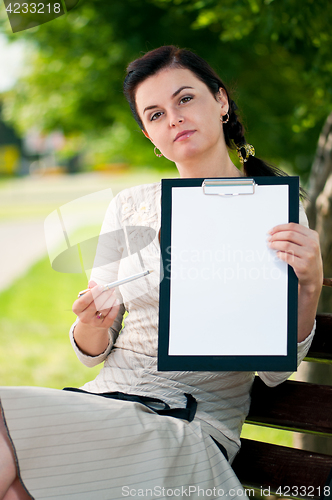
x=293 y=209
x=165 y=264
x=226 y=363
x=167 y=362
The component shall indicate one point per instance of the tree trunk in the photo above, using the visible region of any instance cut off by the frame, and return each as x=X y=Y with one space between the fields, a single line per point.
x=320 y=171
x=319 y=212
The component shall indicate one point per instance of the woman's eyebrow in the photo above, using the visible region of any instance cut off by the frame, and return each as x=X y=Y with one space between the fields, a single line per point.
x=179 y=90
x=173 y=95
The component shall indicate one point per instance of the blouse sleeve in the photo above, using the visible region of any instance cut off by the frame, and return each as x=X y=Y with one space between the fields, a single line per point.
x=274 y=378
x=105 y=270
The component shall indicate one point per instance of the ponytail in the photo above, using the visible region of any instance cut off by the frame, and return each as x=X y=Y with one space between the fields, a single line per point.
x=252 y=166
x=235 y=139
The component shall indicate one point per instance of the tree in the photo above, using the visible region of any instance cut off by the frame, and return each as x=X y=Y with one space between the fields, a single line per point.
x=319 y=211
x=277 y=51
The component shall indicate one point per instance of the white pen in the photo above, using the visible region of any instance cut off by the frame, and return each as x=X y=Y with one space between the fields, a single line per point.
x=109 y=286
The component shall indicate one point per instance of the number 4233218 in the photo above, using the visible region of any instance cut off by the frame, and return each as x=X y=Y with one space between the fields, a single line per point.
x=34 y=8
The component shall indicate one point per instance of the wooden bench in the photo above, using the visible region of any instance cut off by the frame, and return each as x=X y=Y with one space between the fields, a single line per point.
x=293 y=406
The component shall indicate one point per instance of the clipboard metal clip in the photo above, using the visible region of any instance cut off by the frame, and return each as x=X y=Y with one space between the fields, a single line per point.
x=229 y=187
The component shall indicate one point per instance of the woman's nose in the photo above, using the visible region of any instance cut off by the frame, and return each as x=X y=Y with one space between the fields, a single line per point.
x=175 y=119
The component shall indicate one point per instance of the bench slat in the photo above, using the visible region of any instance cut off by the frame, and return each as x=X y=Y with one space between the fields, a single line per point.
x=296 y=406
x=280 y=467
x=321 y=347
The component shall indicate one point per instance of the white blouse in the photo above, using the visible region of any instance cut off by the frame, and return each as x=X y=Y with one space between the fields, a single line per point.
x=130 y=360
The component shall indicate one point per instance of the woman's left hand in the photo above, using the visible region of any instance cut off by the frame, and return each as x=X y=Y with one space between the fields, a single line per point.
x=299 y=247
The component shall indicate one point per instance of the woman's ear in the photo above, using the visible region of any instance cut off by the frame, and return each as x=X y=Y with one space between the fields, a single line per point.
x=222 y=96
x=223 y=101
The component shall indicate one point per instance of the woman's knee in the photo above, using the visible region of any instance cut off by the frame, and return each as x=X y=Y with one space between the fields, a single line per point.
x=8 y=472
x=17 y=492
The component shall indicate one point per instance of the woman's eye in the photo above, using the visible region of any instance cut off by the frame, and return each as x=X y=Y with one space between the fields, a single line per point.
x=186 y=98
x=155 y=116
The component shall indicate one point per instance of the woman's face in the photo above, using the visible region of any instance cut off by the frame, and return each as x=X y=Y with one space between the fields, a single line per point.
x=180 y=115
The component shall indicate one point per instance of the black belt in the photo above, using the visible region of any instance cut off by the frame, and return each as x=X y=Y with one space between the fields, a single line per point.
x=157 y=405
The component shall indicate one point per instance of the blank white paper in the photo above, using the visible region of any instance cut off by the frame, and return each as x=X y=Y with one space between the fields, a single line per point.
x=228 y=288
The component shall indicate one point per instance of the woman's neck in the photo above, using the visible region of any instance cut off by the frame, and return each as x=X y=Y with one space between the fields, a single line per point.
x=222 y=167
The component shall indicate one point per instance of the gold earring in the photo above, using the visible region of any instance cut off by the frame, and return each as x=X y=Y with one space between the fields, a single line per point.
x=157 y=154
x=249 y=150
x=222 y=118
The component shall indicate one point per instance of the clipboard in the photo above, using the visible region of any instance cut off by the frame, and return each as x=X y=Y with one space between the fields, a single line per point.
x=227 y=302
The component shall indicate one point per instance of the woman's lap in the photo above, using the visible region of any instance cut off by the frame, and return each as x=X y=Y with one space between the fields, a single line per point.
x=73 y=445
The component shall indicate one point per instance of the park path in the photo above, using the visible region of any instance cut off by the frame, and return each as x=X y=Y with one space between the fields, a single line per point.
x=22 y=244
x=25 y=203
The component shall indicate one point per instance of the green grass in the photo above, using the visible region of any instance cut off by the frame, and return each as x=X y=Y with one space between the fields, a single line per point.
x=35 y=319
x=268 y=435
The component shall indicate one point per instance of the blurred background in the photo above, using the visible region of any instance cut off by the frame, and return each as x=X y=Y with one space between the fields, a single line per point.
x=66 y=132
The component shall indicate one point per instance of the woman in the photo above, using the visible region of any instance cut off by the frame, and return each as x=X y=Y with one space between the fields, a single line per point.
x=79 y=445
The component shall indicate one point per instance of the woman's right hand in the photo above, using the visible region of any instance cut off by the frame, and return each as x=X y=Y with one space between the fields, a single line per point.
x=96 y=310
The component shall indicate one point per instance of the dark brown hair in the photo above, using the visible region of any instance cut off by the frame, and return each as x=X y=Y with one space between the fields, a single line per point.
x=171 y=56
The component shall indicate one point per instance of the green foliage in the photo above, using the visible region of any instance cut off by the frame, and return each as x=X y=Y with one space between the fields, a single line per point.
x=275 y=53
x=286 y=66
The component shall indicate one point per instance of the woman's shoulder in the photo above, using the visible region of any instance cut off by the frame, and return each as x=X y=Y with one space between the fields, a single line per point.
x=138 y=203
x=143 y=192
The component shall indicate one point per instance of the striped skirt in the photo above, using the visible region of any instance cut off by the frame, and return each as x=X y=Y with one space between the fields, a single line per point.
x=74 y=446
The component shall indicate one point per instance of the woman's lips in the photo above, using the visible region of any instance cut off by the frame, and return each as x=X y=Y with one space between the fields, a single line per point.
x=182 y=136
